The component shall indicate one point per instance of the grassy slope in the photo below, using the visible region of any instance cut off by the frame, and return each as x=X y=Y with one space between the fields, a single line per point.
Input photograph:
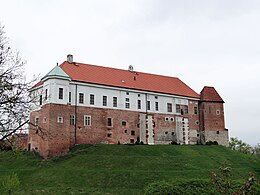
x=125 y=169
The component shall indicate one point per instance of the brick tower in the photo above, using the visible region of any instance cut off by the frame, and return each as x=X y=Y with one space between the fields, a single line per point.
x=212 y=121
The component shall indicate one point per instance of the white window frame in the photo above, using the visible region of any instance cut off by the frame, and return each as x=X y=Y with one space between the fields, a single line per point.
x=104 y=100
x=36 y=121
x=60 y=93
x=81 y=98
x=88 y=119
x=114 y=101
x=169 y=107
x=72 y=119
x=59 y=119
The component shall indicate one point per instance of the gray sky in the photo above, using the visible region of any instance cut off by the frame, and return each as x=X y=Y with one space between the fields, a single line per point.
x=202 y=42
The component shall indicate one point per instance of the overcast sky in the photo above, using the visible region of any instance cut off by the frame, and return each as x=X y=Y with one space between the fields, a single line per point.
x=202 y=42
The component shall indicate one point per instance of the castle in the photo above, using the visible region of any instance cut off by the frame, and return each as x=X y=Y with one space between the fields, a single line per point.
x=78 y=103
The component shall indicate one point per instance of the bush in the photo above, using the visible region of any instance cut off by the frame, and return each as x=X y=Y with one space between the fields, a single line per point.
x=211 y=143
x=174 y=143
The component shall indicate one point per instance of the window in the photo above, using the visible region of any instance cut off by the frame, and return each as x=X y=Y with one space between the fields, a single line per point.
x=104 y=100
x=195 y=110
x=172 y=119
x=127 y=104
x=166 y=118
x=69 y=97
x=132 y=132
x=81 y=98
x=123 y=123
x=186 y=109
x=109 y=135
x=60 y=119
x=36 y=121
x=178 y=108
x=169 y=107
x=40 y=99
x=114 y=101
x=156 y=97
x=72 y=119
x=109 y=122
x=46 y=94
x=148 y=106
x=87 y=120
x=132 y=141
x=156 y=106
x=139 y=104
x=61 y=93
x=217 y=132
x=197 y=122
x=217 y=112
x=92 y=99
x=127 y=93
x=125 y=130
x=139 y=95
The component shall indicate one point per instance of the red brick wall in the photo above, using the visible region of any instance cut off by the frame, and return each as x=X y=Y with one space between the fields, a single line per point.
x=210 y=120
x=53 y=138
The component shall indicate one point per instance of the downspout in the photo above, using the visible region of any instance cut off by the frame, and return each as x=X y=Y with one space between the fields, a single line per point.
x=75 y=126
x=146 y=103
x=146 y=117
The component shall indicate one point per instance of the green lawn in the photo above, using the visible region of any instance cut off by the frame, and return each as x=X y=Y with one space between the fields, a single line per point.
x=120 y=169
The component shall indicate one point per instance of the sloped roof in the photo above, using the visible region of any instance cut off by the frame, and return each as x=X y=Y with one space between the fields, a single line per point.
x=210 y=94
x=126 y=79
x=56 y=72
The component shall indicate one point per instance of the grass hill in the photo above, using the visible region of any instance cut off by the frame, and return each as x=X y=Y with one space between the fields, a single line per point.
x=120 y=169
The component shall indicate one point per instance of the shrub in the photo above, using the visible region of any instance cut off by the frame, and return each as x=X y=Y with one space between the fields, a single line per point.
x=174 y=143
x=211 y=143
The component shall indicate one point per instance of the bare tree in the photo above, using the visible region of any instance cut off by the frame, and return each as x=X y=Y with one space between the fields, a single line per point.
x=14 y=97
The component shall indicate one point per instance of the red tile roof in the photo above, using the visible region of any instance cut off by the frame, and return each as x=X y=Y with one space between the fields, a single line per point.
x=210 y=94
x=126 y=79
x=38 y=84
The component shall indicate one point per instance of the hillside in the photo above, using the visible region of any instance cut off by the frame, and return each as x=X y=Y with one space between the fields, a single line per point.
x=120 y=169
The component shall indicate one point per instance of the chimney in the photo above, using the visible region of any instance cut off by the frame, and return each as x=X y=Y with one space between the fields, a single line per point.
x=70 y=58
x=130 y=68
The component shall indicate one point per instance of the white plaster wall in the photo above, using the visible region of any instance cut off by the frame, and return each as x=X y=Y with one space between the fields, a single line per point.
x=121 y=94
x=53 y=86
x=35 y=98
x=99 y=91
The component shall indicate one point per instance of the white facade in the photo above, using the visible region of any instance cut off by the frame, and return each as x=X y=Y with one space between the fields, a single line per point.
x=71 y=90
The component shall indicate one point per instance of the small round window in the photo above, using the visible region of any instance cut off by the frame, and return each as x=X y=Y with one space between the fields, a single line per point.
x=197 y=122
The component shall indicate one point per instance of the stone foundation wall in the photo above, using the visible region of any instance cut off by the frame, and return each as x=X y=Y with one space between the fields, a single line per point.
x=220 y=136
